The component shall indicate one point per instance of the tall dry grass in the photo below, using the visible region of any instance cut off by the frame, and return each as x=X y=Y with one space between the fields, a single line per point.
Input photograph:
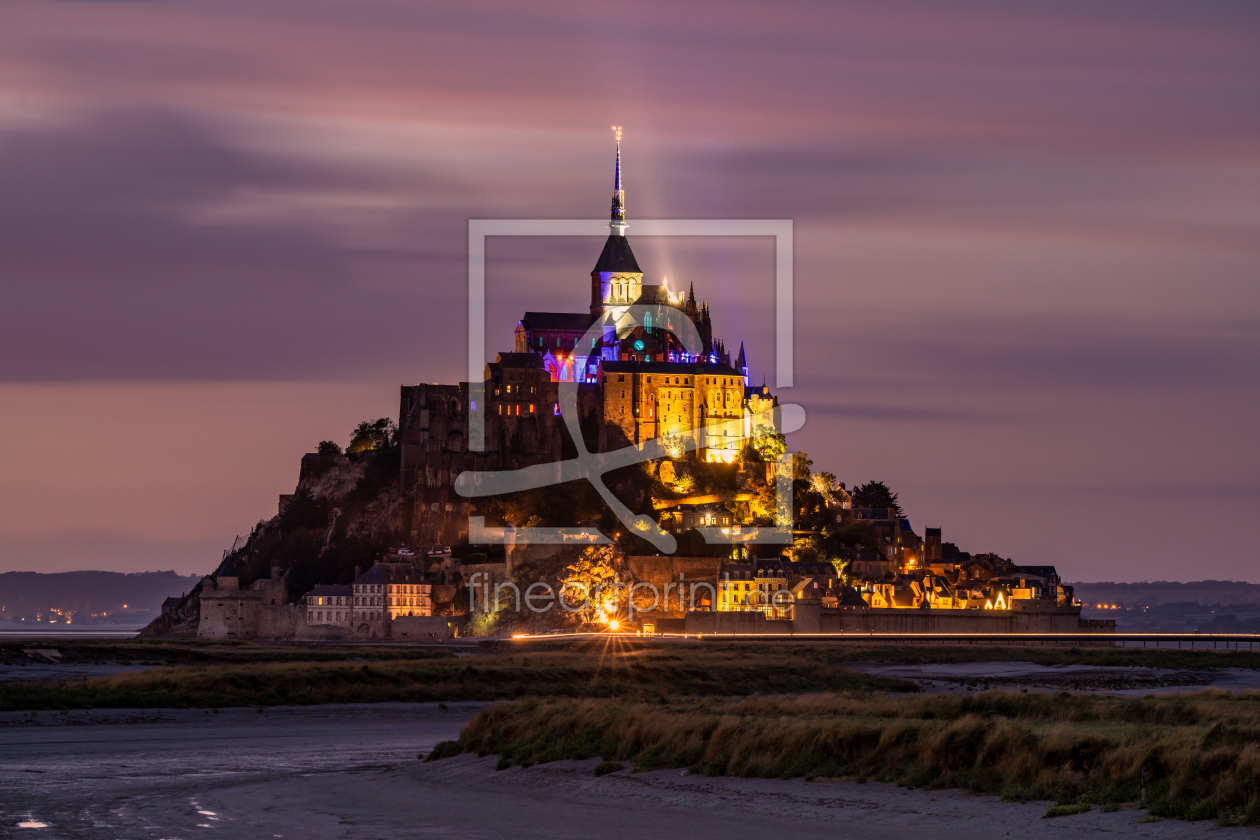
x=1192 y=757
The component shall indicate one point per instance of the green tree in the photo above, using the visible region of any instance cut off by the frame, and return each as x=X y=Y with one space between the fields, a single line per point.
x=857 y=533
x=748 y=453
x=588 y=586
x=373 y=434
x=875 y=494
x=770 y=444
x=842 y=567
x=802 y=467
x=303 y=511
x=327 y=448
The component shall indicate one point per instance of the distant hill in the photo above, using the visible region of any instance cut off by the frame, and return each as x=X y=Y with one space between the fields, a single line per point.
x=88 y=597
x=1202 y=606
x=1157 y=593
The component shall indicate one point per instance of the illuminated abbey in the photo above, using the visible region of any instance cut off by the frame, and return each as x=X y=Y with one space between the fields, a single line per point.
x=646 y=363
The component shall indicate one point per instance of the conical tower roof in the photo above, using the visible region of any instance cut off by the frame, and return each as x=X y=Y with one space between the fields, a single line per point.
x=617 y=256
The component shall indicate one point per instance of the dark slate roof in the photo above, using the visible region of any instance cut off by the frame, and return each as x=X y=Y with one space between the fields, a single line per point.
x=617 y=256
x=171 y=602
x=823 y=569
x=708 y=507
x=391 y=573
x=226 y=568
x=849 y=597
x=679 y=368
x=1035 y=571
x=655 y=295
x=519 y=360
x=331 y=590
x=567 y=321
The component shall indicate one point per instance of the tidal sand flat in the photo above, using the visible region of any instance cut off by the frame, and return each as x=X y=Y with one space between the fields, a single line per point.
x=351 y=771
x=1122 y=680
x=151 y=773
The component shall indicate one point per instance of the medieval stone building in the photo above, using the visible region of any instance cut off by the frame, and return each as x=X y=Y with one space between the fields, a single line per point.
x=645 y=364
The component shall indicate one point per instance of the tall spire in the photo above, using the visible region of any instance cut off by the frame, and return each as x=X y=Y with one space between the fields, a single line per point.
x=618 y=223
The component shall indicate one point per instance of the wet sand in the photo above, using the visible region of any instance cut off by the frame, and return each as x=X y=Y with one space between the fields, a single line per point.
x=352 y=772
x=1104 y=679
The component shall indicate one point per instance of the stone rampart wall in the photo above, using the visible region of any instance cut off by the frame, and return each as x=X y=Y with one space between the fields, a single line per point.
x=812 y=619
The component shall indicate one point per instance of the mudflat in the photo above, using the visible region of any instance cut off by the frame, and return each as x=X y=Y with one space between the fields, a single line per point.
x=350 y=771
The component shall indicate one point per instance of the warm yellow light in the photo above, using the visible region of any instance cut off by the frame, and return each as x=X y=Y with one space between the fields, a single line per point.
x=614 y=624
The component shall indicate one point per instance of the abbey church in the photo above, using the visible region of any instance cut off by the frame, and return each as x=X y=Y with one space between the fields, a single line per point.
x=646 y=365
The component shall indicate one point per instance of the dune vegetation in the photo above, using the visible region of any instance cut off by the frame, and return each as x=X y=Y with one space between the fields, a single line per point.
x=1190 y=756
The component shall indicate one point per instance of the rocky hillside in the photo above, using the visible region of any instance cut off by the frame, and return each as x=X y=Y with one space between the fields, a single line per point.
x=345 y=512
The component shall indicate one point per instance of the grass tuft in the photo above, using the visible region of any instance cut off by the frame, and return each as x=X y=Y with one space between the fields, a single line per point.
x=606 y=767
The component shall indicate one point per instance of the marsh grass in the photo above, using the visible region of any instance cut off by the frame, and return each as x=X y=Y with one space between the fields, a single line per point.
x=1048 y=655
x=660 y=676
x=201 y=652
x=1200 y=754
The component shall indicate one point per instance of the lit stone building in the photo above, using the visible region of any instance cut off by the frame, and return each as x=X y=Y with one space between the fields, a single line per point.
x=646 y=364
x=329 y=604
x=229 y=612
x=752 y=587
x=391 y=590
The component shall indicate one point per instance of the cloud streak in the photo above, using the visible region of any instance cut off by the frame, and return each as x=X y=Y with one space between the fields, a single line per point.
x=1026 y=236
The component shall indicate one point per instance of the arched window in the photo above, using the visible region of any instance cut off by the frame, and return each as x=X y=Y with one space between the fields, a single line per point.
x=647 y=321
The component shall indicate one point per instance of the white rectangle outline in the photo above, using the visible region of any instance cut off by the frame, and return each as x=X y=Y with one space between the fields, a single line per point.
x=479 y=229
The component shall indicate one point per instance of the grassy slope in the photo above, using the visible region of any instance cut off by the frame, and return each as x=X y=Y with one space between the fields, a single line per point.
x=590 y=670
x=1200 y=754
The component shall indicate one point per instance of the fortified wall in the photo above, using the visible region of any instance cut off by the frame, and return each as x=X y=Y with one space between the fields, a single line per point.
x=675 y=579
x=813 y=618
x=259 y=612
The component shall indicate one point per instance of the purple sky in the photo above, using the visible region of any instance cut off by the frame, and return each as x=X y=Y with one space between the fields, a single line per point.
x=1028 y=244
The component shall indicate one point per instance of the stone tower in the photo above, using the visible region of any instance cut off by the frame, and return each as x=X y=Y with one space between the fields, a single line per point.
x=616 y=281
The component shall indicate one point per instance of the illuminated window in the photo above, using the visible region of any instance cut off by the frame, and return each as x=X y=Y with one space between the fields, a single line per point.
x=638 y=345
x=531 y=408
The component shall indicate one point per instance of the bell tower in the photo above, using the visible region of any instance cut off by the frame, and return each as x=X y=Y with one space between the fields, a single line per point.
x=616 y=280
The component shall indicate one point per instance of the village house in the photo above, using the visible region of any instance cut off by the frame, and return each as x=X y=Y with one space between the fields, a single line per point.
x=329 y=604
